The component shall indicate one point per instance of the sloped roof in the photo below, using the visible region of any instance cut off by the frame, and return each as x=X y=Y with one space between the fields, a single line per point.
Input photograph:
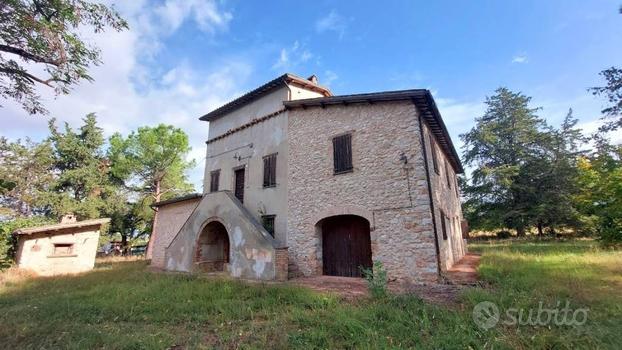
x=422 y=98
x=177 y=199
x=56 y=228
x=266 y=88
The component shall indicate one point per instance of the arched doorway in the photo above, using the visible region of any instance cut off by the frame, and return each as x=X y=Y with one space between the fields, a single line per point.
x=346 y=245
x=212 y=253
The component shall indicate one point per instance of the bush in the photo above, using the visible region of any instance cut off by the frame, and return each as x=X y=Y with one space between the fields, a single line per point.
x=504 y=234
x=376 y=278
x=8 y=242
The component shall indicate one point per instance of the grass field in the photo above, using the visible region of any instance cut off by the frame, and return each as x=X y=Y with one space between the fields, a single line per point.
x=121 y=305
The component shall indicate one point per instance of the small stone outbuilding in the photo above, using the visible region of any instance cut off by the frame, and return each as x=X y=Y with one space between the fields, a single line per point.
x=64 y=248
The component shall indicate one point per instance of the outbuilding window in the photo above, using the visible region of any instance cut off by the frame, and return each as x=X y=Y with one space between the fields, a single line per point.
x=214 y=180
x=342 y=154
x=61 y=249
x=269 y=170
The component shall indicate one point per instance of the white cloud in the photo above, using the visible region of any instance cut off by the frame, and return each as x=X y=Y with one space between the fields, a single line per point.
x=520 y=59
x=329 y=77
x=292 y=57
x=206 y=14
x=127 y=93
x=332 y=22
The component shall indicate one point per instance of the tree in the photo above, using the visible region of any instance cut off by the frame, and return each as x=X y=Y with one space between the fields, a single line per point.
x=83 y=183
x=504 y=143
x=25 y=175
x=612 y=114
x=152 y=163
x=43 y=35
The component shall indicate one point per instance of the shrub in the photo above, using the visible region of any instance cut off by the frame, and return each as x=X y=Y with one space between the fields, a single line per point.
x=376 y=278
x=504 y=234
x=8 y=241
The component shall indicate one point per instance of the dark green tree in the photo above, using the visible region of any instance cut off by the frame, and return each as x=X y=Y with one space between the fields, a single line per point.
x=40 y=44
x=82 y=184
x=152 y=163
x=612 y=92
x=25 y=176
x=504 y=141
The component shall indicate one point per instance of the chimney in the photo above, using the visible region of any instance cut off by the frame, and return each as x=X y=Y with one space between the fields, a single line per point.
x=313 y=79
x=68 y=219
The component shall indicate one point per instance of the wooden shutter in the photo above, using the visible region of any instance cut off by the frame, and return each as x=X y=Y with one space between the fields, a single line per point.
x=214 y=180
x=342 y=153
x=444 y=225
x=434 y=155
x=448 y=174
x=269 y=170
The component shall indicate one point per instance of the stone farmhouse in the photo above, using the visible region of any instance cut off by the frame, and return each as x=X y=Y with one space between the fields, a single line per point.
x=299 y=181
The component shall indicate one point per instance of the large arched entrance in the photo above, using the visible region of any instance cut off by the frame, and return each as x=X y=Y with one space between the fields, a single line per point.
x=346 y=245
x=212 y=252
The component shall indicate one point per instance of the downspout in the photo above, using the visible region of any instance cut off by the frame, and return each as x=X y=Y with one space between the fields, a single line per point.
x=432 y=210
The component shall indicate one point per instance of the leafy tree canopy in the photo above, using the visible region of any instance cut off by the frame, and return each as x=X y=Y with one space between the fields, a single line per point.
x=45 y=33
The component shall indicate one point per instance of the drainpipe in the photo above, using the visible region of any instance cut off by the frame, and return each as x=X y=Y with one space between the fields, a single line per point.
x=432 y=210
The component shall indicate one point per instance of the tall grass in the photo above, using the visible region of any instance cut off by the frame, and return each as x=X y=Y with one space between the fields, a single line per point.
x=121 y=305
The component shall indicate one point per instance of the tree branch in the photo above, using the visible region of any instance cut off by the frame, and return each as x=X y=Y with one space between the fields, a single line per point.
x=29 y=56
x=31 y=77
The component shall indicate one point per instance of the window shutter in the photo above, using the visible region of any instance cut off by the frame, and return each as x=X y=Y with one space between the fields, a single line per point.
x=269 y=170
x=444 y=225
x=214 y=180
x=342 y=153
x=434 y=155
x=447 y=174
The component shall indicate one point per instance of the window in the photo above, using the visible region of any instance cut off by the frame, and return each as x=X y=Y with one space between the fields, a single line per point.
x=63 y=248
x=342 y=154
x=444 y=225
x=448 y=174
x=434 y=155
x=456 y=187
x=267 y=221
x=269 y=170
x=214 y=180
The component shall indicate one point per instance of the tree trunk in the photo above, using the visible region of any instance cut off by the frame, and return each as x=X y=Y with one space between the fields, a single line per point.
x=540 y=229
x=157 y=195
x=520 y=231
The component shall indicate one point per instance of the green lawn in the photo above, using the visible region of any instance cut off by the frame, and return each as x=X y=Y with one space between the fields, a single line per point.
x=123 y=306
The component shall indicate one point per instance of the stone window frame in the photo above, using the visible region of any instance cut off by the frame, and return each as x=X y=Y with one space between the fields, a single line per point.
x=433 y=151
x=332 y=151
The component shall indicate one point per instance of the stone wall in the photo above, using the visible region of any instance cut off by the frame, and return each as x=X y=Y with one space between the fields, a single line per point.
x=446 y=198
x=169 y=220
x=393 y=196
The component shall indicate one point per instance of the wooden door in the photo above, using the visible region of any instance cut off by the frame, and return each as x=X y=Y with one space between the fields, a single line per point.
x=239 y=184
x=346 y=245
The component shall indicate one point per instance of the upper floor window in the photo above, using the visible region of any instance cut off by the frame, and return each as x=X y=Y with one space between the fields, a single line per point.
x=434 y=155
x=269 y=170
x=214 y=180
x=448 y=174
x=342 y=154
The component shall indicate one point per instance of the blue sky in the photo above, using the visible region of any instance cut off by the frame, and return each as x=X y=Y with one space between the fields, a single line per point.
x=182 y=58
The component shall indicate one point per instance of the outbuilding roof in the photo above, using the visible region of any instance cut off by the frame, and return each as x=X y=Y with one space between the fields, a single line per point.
x=422 y=98
x=177 y=199
x=57 y=228
x=266 y=88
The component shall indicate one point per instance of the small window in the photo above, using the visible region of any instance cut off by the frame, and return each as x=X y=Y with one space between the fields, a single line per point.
x=267 y=222
x=214 y=180
x=448 y=174
x=269 y=170
x=444 y=225
x=456 y=187
x=342 y=154
x=434 y=155
x=63 y=249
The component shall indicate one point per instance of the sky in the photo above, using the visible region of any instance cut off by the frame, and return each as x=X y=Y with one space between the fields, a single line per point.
x=182 y=58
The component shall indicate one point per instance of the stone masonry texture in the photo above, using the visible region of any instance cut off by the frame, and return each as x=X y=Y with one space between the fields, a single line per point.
x=391 y=195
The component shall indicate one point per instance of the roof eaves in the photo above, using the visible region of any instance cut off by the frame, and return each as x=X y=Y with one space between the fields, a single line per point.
x=177 y=199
